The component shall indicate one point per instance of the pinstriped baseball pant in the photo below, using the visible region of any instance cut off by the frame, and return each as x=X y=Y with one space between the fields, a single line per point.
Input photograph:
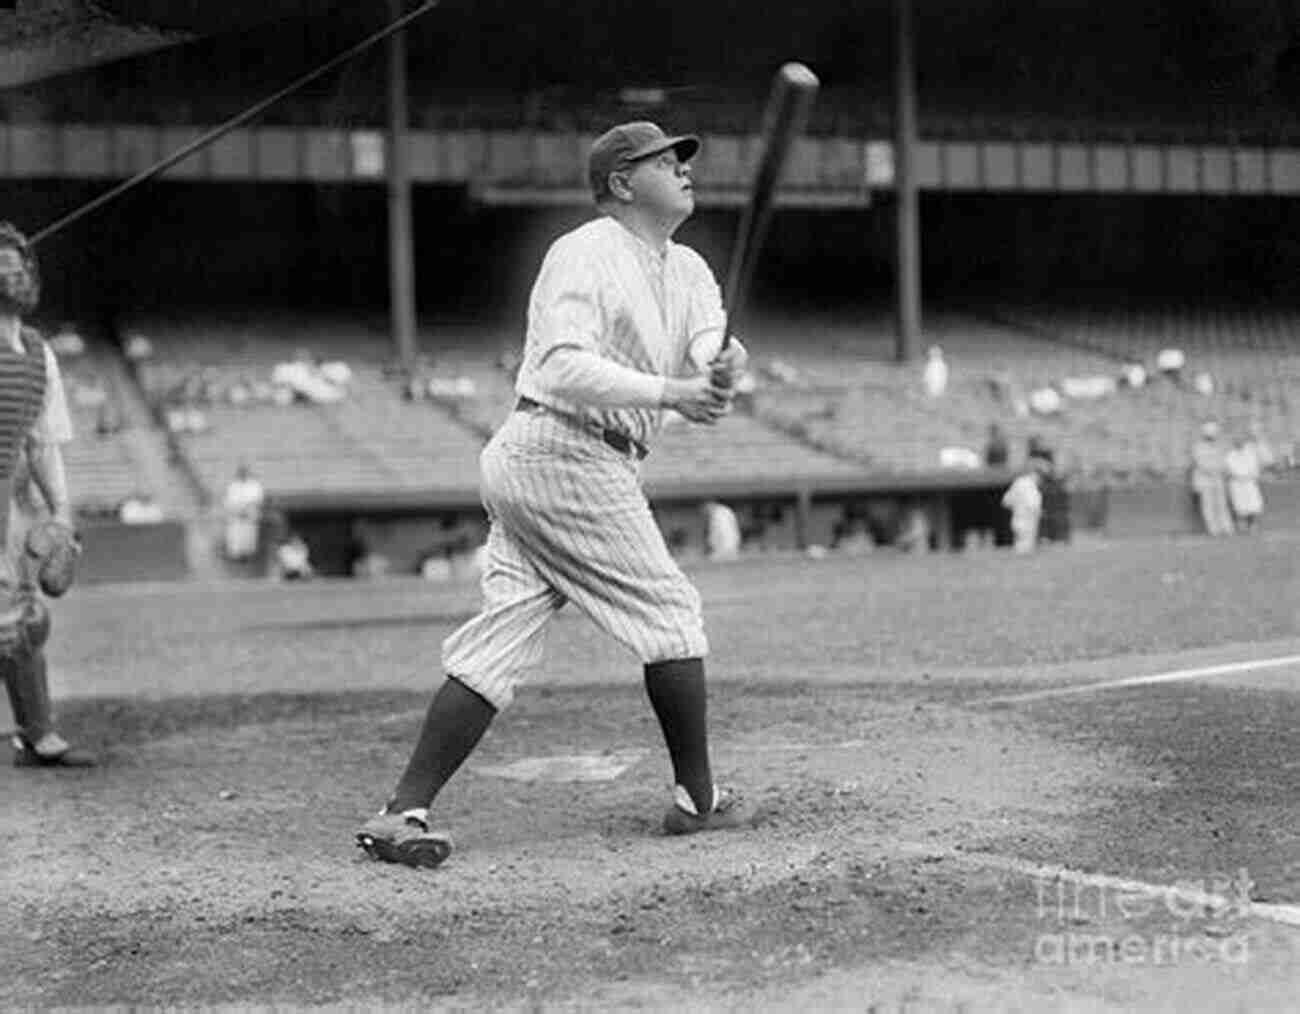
x=569 y=523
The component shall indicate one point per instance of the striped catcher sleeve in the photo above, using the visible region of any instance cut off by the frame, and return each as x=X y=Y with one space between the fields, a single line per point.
x=54 y=424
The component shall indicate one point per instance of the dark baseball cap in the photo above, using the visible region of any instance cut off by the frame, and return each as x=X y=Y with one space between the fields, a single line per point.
x=627 y=143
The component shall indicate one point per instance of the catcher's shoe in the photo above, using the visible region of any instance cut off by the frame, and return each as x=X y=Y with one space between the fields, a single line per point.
x=26 y=756
x=730 y=811
x=404 y=838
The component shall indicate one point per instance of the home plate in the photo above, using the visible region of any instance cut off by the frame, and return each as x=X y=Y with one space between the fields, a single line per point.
x=582 y=767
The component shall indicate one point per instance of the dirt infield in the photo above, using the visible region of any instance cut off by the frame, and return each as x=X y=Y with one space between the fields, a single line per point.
x=210 y=860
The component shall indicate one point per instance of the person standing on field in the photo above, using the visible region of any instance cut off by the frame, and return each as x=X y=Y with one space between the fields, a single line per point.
x=623 y=325
x=1243 y=469
x=243 y=502
x=1024 y=499
x=1208 y=475
x=34 y=425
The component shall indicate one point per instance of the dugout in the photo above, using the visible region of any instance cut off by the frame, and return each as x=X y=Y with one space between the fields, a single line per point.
x=774 y=516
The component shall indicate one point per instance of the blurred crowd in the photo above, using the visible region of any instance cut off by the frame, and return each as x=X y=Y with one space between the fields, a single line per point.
x=184 y=394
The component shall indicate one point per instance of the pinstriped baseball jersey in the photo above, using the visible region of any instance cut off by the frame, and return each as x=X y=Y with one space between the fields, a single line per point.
x=569 y=520
x=603 y=289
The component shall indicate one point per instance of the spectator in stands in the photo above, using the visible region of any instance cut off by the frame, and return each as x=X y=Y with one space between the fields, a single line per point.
x=138 y=348
x=996 y=450
x=293 y=559
x=721 y=531
x=240 y=393
x=1046 y=400
x=1024 y=499
x=1243 y=468
x=186 y=418
x=140 y=508
x=958 y=457
x=1089 y=388
x=67 y=342
x=1170 y=363
x=242 y=504
x=1207 y=481
x=1133 y=374
x=312 y=381
x=934 y=377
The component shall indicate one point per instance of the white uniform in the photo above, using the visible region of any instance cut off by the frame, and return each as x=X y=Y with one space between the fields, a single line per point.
x=569 y=520
x=1024 y=499
x=243 y=504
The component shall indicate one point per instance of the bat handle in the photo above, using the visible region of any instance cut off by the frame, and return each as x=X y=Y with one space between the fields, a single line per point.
x=720 y=374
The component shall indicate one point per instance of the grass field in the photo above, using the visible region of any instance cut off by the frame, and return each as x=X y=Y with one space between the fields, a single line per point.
x=940 y=819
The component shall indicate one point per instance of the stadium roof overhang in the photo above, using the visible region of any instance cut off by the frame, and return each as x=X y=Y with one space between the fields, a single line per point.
x=44 y=38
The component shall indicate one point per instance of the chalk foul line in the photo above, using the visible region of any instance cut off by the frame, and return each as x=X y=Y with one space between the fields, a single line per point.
x=1288 y=915
x=1174 y=676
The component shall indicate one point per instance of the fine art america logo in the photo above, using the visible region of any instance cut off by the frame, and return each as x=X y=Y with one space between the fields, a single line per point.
x=1109 y=921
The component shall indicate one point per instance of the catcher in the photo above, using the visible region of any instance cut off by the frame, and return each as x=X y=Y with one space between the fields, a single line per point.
x=41 y=546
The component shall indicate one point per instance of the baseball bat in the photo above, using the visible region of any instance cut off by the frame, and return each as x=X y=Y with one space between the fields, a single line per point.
x=788 y=104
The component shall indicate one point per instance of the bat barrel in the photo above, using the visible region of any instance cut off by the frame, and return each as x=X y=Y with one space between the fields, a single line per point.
x=784 y=118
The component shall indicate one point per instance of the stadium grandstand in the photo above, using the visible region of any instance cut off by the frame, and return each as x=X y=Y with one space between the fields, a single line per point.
x=1077 y=217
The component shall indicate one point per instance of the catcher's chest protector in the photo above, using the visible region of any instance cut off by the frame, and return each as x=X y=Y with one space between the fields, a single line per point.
x=22 y=390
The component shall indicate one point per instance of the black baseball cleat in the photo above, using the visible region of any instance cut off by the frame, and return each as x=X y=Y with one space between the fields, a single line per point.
x=404 y=838
x=26 y=756
x=730 y=812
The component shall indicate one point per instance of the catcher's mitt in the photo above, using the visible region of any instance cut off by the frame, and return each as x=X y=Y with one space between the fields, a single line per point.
x=56 y=548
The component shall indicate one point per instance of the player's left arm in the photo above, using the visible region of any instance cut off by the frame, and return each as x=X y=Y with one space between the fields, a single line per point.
x=52 y=429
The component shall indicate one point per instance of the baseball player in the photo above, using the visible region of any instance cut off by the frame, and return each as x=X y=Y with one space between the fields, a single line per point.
x=623 y=324
x=34 y=422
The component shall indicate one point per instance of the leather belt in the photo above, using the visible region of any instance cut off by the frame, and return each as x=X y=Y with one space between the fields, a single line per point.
x=621 y=442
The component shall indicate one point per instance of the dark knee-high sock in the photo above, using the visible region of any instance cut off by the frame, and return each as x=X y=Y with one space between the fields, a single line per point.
x=679 y=696
x=455 y=722
x=29 y=693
